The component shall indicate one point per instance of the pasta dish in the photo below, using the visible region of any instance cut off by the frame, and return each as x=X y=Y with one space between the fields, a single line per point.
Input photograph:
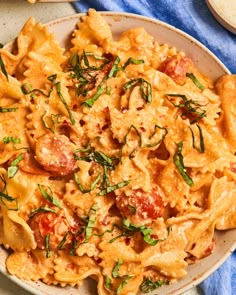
x=117 y=158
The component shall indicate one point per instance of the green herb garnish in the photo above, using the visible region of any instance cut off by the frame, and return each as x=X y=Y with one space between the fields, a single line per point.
x=91 y=221
x=179 y=163
x=50 y=198
x=54 y=121
x=7 y=110
x=189 y=107
x=195 y=81
x=41 y=210
x=2 y=67
x=148 y=285
x=58 y=88
x=145 y=87
x=90 y=101
x=14 y=168
x=47 y=243
x=201 y=148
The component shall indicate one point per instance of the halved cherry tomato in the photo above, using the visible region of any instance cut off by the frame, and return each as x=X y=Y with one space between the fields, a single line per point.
x=140 y=206
x=54 y=224
x=176 y=67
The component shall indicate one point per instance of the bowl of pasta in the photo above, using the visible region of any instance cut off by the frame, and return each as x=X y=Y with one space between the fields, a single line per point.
x=117 y=157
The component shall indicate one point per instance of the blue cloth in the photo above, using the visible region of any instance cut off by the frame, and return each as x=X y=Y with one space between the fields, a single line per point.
x=193 y=17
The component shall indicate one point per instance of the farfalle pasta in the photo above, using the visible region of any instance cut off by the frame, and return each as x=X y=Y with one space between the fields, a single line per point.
x=117 y=159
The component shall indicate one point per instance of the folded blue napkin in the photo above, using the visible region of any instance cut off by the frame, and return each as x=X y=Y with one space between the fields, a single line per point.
x=193 y=17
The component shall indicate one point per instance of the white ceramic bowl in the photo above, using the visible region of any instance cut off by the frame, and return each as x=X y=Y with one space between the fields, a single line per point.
x=208 y=63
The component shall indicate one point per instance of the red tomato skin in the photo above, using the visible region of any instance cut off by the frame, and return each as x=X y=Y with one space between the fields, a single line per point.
x=140 y=206
x=176 y=67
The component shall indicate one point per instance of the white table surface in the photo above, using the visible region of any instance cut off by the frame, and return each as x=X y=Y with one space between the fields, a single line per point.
x=14 y=14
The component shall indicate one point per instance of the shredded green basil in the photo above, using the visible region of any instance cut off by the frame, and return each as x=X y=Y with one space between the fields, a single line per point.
x=7 y=110
x=90 y=101
x=5 y=197
x=115 y=274
x=3 y=69
x=92 y=186
x=58 y=88
x=89 y=154
x=55 y=119
x=189 y=107
x=132 y=60
x=108 y=282
x=201 y=148
x=41 y=210
x=123 y=283
x=114 y=69
x=129 y=229
x=91 y=221
x=153 y=134
x=13 y=168
x=9 y=139
x=47 y=243
x=125 y=141
x=52 y=199
x=179 y=163
x=116 y=268
x=145 y=87
x=27 y=89
x=148 y=285
x=195 y=81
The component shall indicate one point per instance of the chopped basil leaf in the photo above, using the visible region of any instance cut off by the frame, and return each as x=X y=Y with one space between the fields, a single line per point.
x=126 y=280
x=47 y=243
x=14 y=168
x=108 y=282
x=145 y=87
x=133 y=61
x=17 y=160
x=2 y=67
x=52 y=199
x=5 y=197
x=195 y=81
x=116 y=268
x=58 y=88
x=7 y=110
x=111 y=188
x=189 y=106
x=125 y=141
x=9 y=139
x=179 y=163
x=92 y=187
x=91 y=221
x=129 y=229
x=90 y=101
x=148 y=285
x=201 y=149
x=162 y=138
x=54 y=121
x=26 y=88
x=12 y=171
x=115 y=274
x=41 y=210
x=114 y=68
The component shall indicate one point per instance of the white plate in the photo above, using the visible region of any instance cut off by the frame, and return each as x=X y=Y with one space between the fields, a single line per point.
x=209 y=65
x=225 y=12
